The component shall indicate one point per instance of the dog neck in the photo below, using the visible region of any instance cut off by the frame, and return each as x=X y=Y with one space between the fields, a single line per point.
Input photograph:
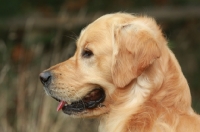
x=156 y=87
x=134 y=95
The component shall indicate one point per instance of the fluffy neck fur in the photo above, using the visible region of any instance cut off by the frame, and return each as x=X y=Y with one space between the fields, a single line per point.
x=145 y=103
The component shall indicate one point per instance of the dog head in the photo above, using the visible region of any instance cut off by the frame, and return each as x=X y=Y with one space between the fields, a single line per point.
x=112 y=52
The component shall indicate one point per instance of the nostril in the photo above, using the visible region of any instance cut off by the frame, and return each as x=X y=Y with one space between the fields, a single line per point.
x=45 y=78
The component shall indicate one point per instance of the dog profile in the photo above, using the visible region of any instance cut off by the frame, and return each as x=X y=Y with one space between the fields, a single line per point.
x=124 y=73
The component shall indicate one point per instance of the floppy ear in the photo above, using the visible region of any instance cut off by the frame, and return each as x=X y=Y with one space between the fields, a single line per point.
x=134 y=50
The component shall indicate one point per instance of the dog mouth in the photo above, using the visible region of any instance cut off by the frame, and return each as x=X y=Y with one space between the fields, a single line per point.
x=90 y=101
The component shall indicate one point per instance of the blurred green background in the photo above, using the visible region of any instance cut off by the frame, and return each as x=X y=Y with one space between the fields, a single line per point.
x=36 y=34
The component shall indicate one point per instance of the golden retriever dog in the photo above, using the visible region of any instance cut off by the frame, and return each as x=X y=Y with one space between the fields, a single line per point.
x=124 y=73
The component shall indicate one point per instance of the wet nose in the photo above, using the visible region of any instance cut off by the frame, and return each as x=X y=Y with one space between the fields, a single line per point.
x=45 y=78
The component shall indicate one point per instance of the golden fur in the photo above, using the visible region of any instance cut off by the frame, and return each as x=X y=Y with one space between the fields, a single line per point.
x=145 y=88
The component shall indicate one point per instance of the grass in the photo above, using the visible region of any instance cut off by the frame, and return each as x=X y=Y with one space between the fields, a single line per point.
x=24 y=104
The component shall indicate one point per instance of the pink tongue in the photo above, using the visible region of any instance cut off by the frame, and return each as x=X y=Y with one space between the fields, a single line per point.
x=61 y=104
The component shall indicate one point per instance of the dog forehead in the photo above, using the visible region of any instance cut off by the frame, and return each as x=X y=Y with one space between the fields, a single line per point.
x=94 y=33
x=102 y=28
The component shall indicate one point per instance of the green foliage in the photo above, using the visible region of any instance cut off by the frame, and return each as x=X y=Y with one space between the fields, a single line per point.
x=16 y=7
x=9 y=7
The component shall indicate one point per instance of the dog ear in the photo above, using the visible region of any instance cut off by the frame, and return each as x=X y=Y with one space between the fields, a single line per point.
x=134 y=50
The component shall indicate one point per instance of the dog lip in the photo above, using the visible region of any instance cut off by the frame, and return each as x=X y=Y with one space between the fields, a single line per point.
x=92 y=100
x=56 y=99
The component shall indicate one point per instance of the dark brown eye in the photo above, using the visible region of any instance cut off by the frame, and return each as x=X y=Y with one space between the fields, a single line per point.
x=87 y=53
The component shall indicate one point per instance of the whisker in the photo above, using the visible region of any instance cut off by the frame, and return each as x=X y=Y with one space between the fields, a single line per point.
x=71 y=37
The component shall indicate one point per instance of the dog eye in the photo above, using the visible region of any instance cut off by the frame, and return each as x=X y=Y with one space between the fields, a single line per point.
x=87 y=53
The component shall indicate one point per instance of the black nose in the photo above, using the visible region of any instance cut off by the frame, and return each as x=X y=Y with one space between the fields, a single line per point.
x=45 y=78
